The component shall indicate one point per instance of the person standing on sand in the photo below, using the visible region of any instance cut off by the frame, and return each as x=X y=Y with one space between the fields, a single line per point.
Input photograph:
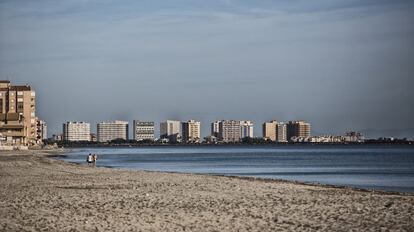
x=89 y=159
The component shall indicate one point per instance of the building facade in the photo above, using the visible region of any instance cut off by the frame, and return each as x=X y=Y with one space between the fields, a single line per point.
x=76 y=131
x=229 y=131
x=143 y=130
x=246 y=129
x=215 y=129
x=170 y=129
x=269 y=130
x=41 y=130
x=17 y=114
x=191 y=131
x=300 y=129
x=281 y=132
x=108 y=131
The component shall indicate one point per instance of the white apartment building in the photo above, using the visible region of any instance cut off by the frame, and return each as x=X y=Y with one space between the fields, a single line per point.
x=76 y=131
x=246 y=129
x=281 y=132
x=108 y=131
x=41 y=131
x=170 y=128
x=229 y=131
x=143 y=130
x=215 y=129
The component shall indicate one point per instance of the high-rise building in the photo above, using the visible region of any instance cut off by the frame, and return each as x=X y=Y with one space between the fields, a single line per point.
x=246 y=129
x=281 y=131
x=191 y=131
x=143 y=130
x=229 y=131
x=108 y=131
x=76 y=131
x=170 y=129
x=269 y=130
x=17 y=114
x=41 y=130
x=215 y=129
x=298 y=129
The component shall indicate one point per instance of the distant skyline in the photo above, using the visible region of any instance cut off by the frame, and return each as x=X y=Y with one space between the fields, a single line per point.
x=340 y=65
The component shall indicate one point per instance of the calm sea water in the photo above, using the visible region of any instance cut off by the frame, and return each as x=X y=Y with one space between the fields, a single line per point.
x=375 y=167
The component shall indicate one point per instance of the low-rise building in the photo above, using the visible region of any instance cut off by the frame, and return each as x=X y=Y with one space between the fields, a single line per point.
x=57 y=138
x=94 y=138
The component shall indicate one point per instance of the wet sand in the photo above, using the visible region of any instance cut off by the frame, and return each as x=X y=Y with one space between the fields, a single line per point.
x=38 y=193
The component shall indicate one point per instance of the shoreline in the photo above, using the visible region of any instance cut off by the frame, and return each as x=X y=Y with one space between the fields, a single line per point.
x=133 y=145
x=252 y=178
x=31 y=179
x=195 y=145
x=259 y=179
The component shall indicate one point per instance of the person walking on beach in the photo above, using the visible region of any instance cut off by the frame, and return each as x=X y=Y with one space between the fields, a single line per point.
x=89 y=159
x=94 y=158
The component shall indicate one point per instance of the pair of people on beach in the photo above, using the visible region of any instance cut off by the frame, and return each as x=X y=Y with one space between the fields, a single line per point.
x=92 y=159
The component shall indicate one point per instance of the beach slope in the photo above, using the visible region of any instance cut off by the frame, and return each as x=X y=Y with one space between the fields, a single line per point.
x=38 y=193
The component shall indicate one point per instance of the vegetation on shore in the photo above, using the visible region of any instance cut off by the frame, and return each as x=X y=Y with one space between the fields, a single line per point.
x=245 y=141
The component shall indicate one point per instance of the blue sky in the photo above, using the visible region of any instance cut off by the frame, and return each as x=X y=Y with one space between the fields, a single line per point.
x=342 y=65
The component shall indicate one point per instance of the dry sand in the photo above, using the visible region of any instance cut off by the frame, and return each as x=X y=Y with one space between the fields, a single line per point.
x=42 y=194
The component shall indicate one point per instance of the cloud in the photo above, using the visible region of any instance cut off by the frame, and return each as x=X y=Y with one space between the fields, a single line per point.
x=341 y=65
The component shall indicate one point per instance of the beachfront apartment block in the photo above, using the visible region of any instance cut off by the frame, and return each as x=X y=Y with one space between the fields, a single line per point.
x=299 y=129
x=76 y=131
x=171 y=130
x=143 y=130
x=281 y=132
x=275 y=131
x=229 y=131
x=191 y=131
x=215 y=129
x=108 y=131
x=269 y=130
x=17 y=114
x=246 y=129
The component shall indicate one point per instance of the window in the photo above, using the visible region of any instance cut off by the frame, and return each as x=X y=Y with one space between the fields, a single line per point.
x=20 y=107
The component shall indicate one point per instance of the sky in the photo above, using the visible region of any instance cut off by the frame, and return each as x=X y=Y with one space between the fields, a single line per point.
x=339 y=64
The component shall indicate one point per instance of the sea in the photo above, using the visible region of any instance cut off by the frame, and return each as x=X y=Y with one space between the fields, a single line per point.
x=373 y=167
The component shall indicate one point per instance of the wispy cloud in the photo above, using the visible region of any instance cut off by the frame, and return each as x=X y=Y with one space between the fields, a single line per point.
x=321 y=60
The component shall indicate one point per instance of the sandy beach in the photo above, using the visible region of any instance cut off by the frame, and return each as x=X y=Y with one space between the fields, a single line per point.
x=38 y=193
